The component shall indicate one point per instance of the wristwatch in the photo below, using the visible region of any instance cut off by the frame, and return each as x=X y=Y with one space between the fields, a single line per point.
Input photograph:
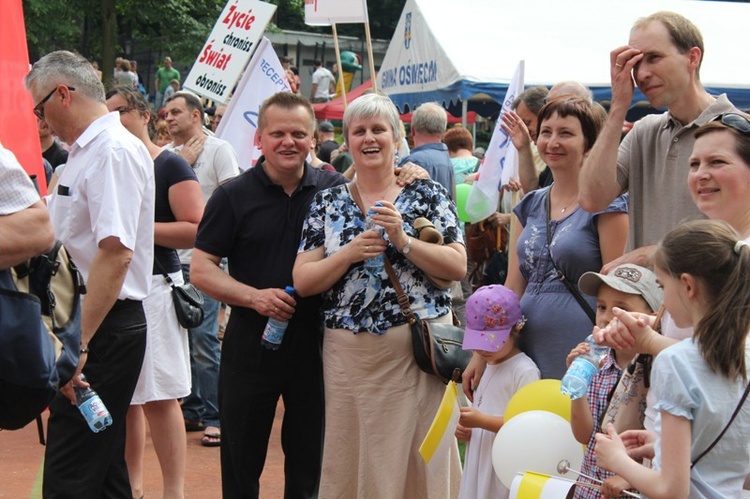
x=407 y=247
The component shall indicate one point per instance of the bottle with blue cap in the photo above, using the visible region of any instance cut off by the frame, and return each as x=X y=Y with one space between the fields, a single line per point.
x=273 y=334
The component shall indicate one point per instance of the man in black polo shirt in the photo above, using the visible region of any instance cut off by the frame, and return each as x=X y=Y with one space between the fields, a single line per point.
x=255 y=221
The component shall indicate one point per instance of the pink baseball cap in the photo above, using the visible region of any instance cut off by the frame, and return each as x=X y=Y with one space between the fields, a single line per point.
x=491 y=313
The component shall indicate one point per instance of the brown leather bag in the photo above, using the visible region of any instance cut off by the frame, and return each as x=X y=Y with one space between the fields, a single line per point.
x=483 y=240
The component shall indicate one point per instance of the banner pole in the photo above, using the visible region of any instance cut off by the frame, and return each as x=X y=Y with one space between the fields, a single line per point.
x=342 y=87
x=369 y=55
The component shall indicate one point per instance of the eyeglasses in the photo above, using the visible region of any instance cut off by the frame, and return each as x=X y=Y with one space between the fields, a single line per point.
x=39 y=108
x=124 y=109
x=736 y=121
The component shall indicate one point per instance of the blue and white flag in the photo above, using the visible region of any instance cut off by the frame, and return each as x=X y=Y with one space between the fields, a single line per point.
x=263 y=77
x=500 y=161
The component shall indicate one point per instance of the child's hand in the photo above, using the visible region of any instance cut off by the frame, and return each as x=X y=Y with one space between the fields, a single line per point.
x=580 y=349
x=610 y=451
x=639 y=443
x=613 y=486
x=470 y=417
x=463 y=434
x=627 y=331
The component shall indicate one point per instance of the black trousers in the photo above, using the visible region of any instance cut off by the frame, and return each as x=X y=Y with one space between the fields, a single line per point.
x=251 y=380
x=78 y=462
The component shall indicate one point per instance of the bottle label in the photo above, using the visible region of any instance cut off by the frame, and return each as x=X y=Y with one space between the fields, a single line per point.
x=375 y=264
x=274 y=333
x=582 y=369
x=96 y=414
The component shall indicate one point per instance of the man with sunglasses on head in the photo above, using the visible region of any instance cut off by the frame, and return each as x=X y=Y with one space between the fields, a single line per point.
x=663 y=57
x=102 y=209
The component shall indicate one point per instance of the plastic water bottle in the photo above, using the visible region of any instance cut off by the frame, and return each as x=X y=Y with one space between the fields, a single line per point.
x=375 y=264
x=91 y=406
x=275 y=329
x=577 y=379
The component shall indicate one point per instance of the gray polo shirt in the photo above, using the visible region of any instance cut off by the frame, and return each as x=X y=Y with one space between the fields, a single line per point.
x=653 y=165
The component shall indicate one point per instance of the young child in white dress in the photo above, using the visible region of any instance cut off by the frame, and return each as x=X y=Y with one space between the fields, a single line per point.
x=493 y=324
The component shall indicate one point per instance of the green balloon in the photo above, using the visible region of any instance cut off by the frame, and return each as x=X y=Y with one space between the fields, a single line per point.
x=462 y=194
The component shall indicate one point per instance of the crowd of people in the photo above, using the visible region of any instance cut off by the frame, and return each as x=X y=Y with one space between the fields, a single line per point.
x=609 y=231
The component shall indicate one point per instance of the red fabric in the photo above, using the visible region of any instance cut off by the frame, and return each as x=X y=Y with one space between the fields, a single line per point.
x=18 y=130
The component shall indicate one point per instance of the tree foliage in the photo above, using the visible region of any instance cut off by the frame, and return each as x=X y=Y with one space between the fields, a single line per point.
x=148 y=29
x=177 y=27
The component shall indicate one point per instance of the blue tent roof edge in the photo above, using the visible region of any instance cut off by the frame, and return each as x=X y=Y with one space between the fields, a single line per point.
x=464 y=89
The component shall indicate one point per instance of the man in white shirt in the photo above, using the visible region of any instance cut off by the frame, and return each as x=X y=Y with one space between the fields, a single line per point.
x=215 y=162
x=24 y=221
x=322 y=84
x=103 y=211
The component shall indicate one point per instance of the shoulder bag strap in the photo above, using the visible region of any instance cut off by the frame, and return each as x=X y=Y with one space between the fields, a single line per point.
x=161 y=269
x=716 y=440
x=403 y=300
x=560 y=275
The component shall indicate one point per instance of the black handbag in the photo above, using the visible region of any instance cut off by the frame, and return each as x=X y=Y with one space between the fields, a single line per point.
x=438 y=347
x=188 y=301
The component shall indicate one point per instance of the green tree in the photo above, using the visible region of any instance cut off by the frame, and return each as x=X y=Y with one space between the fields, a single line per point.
x=100 y=29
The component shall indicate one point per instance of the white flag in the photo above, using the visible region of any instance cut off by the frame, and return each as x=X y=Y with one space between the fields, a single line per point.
x=263 y=77
x=500 y=161
x=327 y=12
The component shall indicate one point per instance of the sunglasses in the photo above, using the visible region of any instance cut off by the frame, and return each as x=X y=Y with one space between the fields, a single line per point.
x=736 y=121
x=39 y=108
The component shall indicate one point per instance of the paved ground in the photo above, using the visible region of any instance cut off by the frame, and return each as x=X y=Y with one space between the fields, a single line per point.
x=21 y=459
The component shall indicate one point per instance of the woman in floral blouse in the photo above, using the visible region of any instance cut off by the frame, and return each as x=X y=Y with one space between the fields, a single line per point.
x=379 y=405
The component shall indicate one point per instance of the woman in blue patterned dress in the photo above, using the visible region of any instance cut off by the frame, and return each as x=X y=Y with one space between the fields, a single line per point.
x=579 y=241
x=379 y=405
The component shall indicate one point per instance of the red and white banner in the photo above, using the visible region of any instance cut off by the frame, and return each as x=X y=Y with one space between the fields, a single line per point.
x=18 y=130
x=228 y=48
x=327 y=12
x=263 y=77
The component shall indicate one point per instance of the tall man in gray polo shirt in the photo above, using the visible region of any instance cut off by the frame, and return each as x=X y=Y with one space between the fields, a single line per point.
x=664 y=56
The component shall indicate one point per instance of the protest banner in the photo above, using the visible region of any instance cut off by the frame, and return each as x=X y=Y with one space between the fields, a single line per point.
x=263 y=77
x=327 y=12
x=228 y=48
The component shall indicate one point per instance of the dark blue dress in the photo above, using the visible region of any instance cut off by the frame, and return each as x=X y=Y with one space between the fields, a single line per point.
x=555 y=321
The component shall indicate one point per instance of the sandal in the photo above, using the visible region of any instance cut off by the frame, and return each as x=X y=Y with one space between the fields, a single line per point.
x=212 y=439
x=193 y=425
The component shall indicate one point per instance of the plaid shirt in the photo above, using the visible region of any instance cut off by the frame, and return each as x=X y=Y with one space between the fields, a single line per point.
x=598 y=395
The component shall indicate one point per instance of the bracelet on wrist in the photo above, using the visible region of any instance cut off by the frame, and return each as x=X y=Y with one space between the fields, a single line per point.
x=406 y=248
x=83 y=350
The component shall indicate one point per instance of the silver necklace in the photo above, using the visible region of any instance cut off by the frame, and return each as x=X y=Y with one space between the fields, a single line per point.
x=484 y=387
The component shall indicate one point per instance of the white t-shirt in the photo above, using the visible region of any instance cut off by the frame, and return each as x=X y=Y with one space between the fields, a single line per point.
x=498 y=385
x=105 y=190
x=216 y=164
x=323 y=78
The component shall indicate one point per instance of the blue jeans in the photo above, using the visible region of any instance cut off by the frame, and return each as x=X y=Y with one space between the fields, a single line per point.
x=202 y=404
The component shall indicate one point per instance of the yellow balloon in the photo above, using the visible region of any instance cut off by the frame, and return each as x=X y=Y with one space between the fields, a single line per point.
x=542 y=395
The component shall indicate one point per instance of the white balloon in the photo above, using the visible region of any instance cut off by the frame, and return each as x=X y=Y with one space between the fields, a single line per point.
x=534 y=441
